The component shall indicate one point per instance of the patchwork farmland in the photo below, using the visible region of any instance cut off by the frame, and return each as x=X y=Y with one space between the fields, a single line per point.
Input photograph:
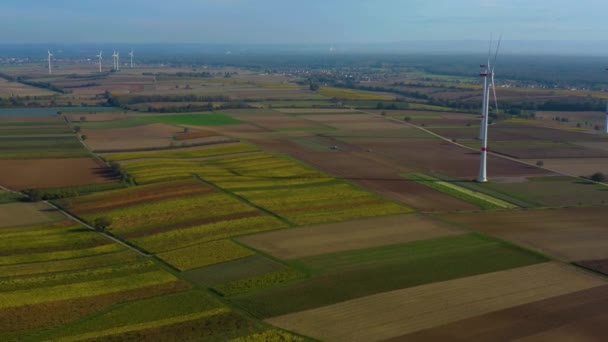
x=257 y=208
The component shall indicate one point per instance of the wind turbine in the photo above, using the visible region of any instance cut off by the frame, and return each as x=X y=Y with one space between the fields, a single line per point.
x=100 y=58
x=116 y=63
x=50 y=55
x=487 y=70
x=117 y=60
x=131 y=55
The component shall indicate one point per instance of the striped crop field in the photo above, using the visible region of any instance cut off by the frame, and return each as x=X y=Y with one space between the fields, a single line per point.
x=72 y=272
x=291 y=190
x=199 y=152
x=185 y=222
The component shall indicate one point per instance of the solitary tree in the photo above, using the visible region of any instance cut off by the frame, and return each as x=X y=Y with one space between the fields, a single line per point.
x=102 y=223
x=540 y=163
x=598 y=177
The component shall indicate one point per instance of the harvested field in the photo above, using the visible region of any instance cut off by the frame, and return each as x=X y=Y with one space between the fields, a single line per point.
x=575 y=166
x=443 y=157
x=543 y=149
x=578 y=316
x=20 y=214
x=308 y=111
x=336 y=237
x=600 y=266
x=52 y=173
x=395 y=313
x=75 y=118
x=350 y=122
x=140 y=137
x=519 y=132
x=10 y=89
x=571 y=233
x=555 y=191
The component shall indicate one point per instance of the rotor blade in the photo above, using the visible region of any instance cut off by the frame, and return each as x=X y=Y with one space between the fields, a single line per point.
x=494 y=91
x=490 y=48
x=496 y=54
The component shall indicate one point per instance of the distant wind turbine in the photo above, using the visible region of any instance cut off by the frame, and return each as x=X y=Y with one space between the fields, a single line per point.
x=50 y=55
x=116 y=57
x=131 y=54
x=100 y=58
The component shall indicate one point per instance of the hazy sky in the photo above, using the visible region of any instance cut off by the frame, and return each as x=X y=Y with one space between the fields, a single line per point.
x=298 y=21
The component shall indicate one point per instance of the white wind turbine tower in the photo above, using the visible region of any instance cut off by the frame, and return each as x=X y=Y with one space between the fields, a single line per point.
x=117 y=60
x=50 y=55
x=100 y=58
x=131 y=54
x=487 y=70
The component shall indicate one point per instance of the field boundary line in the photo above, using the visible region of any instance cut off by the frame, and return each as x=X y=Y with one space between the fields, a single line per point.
x=474 y=149
x=115 y=239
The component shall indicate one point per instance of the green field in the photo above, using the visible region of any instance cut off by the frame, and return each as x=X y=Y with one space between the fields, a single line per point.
x=233 y=270
x=453 y=189
x=200 y=119
x=41 y=147
x=10 y=197
x=342 y=276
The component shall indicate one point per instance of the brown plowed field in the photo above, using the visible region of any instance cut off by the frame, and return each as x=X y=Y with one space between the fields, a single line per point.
x=372 y=172
x=355 y=122
x=21 y=214
x=570 y=233
x=336 y=237
x=443 y=157
x=576 y=166
x=22 y=174
x=89 y=117
x=391 y=314
x=600 y=266
x=148 y=136
x=579 y=316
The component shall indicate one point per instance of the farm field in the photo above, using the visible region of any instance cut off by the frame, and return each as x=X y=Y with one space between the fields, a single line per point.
x=336 y=237
x=575 y=166
x=71 y=271
x=351 y=164
x=342 y=276
x=572 y=234
x=202 y=119
x=294 y=192
x=391 y=314
x=555 y=191
x=579 y=315
x=98 y=289
x=39 y=147
x=22 y=214
x=239 y=202
x=193 y=152
x=52 y=173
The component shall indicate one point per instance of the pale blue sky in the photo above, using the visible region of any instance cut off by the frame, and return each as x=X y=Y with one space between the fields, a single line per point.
x=297 y=21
